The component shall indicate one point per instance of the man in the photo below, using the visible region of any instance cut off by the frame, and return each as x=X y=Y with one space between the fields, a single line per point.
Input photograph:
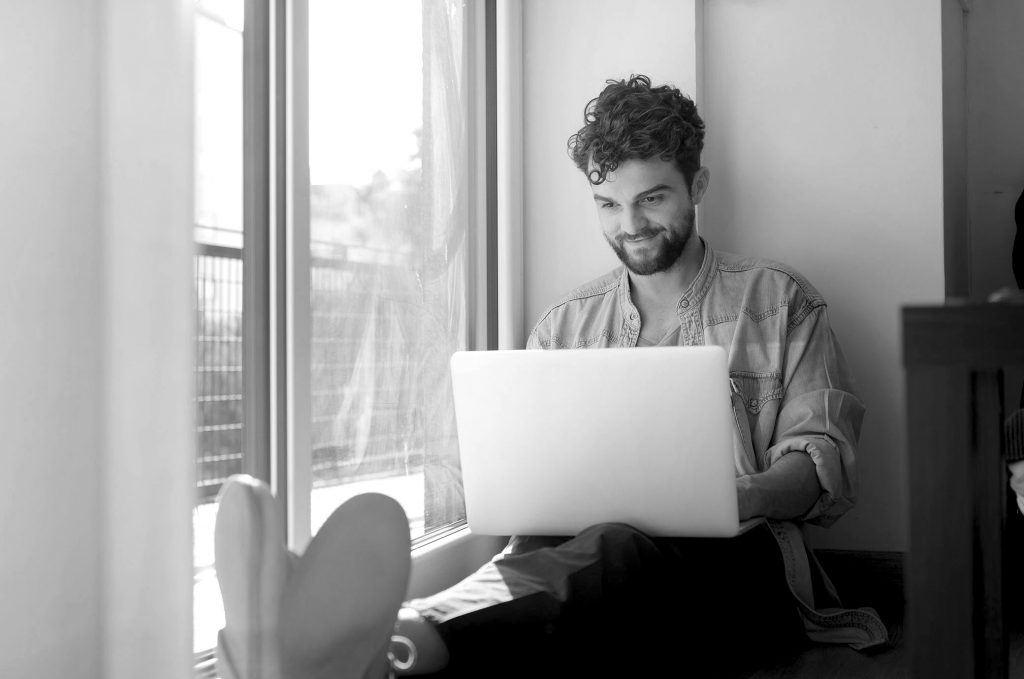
x=612 y=600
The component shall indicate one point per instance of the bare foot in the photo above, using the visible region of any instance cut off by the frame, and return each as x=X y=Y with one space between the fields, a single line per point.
x=340 y=603
x=252 y=565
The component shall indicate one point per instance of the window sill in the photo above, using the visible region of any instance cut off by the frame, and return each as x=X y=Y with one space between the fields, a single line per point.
x=441 y=563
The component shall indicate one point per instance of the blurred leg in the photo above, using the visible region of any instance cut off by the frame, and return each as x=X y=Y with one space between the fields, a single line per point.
x=615 y=600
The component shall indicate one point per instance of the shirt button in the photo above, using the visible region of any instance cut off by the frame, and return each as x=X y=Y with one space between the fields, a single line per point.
x=632 y=316
x=686 y=303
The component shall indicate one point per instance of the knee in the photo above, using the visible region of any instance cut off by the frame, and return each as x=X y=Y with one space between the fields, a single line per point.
x=615 y=535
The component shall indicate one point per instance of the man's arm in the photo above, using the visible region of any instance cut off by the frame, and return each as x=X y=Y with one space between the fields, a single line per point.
x=818 y=420
x=787 y=490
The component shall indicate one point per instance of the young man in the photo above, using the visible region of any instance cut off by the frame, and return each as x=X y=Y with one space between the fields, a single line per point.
x=611 y=599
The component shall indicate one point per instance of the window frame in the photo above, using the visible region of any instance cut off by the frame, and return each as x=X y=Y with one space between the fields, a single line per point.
x=276 y=252
x=256 y=178
x=277 y=102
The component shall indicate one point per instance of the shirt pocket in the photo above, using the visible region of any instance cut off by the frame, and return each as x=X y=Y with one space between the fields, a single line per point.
x=756 y=389
x=744 y=457
x=753 y=394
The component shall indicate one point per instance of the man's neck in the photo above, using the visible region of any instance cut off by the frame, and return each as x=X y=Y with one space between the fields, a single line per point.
x=663 y=289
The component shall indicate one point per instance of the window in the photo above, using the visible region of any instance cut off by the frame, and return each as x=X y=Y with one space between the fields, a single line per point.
x=390 y=261
x=218 y=287
x=340 y=250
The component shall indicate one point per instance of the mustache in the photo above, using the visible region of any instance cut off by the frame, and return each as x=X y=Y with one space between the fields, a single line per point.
x=646 y=232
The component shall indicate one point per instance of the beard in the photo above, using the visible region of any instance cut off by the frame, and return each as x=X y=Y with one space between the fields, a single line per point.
x=660 y=255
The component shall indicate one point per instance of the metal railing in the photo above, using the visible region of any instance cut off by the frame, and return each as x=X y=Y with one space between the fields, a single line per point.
x=220 y=379
x=365 y=317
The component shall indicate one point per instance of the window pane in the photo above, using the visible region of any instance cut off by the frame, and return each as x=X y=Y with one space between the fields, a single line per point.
x=218 y=288
x=388 y=206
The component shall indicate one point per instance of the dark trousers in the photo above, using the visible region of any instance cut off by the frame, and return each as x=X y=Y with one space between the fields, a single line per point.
x=614 y=602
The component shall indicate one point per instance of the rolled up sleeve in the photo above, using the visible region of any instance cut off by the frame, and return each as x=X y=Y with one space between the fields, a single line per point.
x=820 y=415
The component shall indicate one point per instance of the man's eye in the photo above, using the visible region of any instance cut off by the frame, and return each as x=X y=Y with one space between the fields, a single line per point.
x=607 y=206
x=651 y=200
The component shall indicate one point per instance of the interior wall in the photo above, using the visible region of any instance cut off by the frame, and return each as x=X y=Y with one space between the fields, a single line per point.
x=995 y=142
x=570 y=48
x=954 y=149
x=825 y=146
x=50 y=289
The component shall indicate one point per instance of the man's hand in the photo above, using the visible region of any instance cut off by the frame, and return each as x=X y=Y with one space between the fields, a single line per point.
x=787 y=490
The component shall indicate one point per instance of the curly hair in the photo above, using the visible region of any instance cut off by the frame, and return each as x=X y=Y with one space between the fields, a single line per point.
x=631 y=119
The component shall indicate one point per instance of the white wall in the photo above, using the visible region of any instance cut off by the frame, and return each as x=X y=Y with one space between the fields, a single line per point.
x=570 y=47
x=95 y=350
x=825 y=147
x=825 y=144
x=954 y=149
x=995 y=150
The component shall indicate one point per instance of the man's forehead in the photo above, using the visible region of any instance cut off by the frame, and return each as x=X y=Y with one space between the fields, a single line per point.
x=635 y=175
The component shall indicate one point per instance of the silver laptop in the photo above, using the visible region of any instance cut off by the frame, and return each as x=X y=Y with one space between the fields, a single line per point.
x=555 y=441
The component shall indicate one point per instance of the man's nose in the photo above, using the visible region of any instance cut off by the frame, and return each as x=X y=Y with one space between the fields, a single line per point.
x=633 y=220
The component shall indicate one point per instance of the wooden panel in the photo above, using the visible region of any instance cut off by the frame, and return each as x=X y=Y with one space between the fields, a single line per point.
x=974 y=334
x=954 y=358
x=989 y=524
x=940 y=568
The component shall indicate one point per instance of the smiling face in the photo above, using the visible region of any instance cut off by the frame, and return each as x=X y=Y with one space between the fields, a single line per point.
x=646 y=211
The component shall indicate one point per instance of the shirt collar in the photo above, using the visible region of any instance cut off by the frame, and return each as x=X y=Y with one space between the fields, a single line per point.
x=691 y=297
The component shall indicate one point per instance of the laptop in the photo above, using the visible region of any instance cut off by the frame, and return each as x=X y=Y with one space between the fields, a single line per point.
x=554 y=441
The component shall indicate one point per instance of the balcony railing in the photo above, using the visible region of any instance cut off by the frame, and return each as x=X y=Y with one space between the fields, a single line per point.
x=218 y=366
x=368 y=327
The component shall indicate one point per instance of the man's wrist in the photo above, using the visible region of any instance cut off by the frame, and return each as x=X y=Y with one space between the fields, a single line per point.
x=750 y=497
x=786 y=490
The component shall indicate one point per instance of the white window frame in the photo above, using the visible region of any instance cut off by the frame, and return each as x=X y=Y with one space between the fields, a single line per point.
x=495 y=72
x=508 y=78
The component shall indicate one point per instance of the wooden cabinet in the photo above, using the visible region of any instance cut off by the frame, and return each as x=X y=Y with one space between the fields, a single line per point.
x=955 y=359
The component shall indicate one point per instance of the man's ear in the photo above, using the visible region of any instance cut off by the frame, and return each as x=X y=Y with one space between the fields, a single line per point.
x=701 y=179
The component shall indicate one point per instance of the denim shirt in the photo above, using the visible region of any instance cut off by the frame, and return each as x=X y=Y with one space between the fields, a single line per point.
x=791 y=391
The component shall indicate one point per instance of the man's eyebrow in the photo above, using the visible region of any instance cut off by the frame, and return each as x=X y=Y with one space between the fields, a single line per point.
x=654 y=189
x=642 y=194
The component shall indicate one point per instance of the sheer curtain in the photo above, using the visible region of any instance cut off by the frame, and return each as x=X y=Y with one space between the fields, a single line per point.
x=390 y=263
